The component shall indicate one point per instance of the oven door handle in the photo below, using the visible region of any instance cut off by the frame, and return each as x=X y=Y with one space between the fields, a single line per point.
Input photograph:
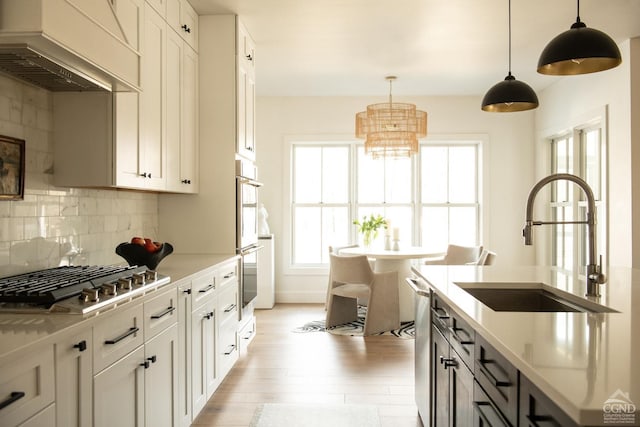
x=253 y=182
x=250 y=249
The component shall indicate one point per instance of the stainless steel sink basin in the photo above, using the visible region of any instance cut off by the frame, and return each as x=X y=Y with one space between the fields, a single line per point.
x=529 y=297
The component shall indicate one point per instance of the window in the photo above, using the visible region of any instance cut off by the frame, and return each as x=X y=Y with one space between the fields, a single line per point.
x=432 y=198
x=584 y=158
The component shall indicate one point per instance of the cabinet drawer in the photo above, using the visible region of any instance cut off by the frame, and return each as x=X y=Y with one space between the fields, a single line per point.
x=202 y=287
x=228 y=304
x=160 y=313
x=498 y=378
x=228 y=275
x=462 y=338
x=44 y=418
x=26 y=386
x=538 y=409
x=485 y=412
x=246 y=335
x=117 y=335
x=227 y=348
x=440 y=314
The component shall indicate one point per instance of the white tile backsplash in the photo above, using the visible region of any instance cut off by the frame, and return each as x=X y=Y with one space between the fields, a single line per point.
x=52 y=223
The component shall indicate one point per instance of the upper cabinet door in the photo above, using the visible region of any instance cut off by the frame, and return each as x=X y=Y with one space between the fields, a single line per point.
x=182 y=18
x=159 y=6
x=245 y=94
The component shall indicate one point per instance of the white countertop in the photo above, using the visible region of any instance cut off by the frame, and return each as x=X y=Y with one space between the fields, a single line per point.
x=24 y=331
x=579 y=360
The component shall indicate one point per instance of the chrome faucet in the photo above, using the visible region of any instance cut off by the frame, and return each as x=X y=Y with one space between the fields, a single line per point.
x=595 y=277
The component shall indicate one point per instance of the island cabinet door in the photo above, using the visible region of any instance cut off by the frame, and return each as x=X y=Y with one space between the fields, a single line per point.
x=537 y=409
x=485 y=412
x=439 y=379
x=461 y=391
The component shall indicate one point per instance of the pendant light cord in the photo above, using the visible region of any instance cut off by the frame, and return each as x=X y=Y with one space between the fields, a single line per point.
x=578 y=12
x=509 y=37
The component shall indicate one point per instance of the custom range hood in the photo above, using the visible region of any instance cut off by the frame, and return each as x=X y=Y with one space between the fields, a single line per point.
x=71 y=45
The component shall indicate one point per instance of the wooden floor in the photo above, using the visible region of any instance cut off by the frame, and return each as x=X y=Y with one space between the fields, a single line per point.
x=286 y=367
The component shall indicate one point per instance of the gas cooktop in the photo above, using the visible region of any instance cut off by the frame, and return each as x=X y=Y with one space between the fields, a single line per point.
x=76 y=289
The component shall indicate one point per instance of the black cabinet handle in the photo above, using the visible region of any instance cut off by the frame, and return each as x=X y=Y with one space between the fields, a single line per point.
x=448 y=362
x=187 y=291
x=208 y=315
x=163 y=313
x=130 y=332
x=208 y=288
x=230 y=308
x=454 y=334
x=145 y=364
x=81 y=346
x=248 y=335
x=186 y=181
x=14 y=396
x=186 y=28
x=152 y=359
x=482 y=365
x=492 y=418
x=436 y=312
x=231 y=349
x=249 y=57
x=230 y=274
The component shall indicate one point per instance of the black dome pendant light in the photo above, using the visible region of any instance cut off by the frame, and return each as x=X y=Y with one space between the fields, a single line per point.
x=579 y=50
x=510 y=94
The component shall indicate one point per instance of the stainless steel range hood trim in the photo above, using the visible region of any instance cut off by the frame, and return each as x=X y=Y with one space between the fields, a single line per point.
x=33 y=66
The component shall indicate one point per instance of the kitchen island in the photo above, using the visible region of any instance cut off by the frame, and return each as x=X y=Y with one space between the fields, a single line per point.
x=586 y=364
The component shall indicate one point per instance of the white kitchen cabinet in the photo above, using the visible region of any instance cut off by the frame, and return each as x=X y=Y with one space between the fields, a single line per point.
x=44 y=418
x=181 y=115
x=74 y=378
x=118 y=398
x=26 y=386
x=153 y=101
x=161 y=379
x=184 y=353
x=246 y=85
x=184 y=21
x=203 y=352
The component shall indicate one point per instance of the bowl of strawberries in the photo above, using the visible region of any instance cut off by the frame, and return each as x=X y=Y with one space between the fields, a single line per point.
x=144 y=251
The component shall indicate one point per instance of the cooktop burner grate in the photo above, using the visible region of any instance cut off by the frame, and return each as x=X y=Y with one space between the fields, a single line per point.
x=55 y=284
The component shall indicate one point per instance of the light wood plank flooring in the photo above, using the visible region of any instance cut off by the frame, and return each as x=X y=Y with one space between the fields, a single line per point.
x=286 y=367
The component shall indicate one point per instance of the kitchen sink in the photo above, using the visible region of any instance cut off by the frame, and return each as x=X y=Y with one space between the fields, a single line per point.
x=529 y=297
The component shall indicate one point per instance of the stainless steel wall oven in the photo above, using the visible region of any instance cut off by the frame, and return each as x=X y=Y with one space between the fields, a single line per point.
x=247 y=245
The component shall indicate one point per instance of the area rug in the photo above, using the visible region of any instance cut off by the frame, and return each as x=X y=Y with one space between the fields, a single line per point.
x=315 y=415
x=406 y=330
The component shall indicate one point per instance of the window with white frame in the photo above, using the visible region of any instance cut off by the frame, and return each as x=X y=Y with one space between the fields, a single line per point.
x=432 y=198
x=579 y=152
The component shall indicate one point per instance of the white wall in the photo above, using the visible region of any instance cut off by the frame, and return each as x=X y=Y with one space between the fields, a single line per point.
x=575 y=99
x=509 y=167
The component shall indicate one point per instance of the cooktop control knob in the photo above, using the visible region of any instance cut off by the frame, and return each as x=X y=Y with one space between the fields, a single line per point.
x=138 y=279
x=124 y=284
x=109 y=289
x=89 y=295
x=151 y=275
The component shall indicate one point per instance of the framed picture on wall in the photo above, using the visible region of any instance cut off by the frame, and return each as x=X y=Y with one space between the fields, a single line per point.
x=11 y=168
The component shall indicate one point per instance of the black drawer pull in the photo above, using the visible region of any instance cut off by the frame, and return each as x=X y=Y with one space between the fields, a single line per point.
x=454 y=334
x=187 y=291
x=208 y=315
x=533 y=419
x=487 y=373
x=231 y=349
x=230 y=308
x=491 y=417
x=229 y=275
x=14 y=396
x=116 y=340
x=436 y=311
x=81 y=346
x=208 y=288
x=248 y=335
x=163 y=313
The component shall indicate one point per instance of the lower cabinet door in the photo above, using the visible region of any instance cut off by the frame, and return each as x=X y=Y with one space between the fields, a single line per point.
x=161 y=379
x=439 y=379
x=461 y=389
x=203 y=353
x=118 y=393
x=536 y=409
x=44 y=418
x=74 y=379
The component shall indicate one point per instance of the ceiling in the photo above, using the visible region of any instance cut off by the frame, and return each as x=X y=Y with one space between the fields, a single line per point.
x=435 y=47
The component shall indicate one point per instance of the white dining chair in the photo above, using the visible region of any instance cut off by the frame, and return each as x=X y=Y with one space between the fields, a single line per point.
x=352 y=278
x=457 y=255
x=336 y=250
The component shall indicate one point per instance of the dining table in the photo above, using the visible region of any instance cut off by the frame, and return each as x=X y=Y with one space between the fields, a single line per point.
x=396 y=260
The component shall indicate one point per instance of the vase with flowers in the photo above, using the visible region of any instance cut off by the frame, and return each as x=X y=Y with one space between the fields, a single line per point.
x=369 y=227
